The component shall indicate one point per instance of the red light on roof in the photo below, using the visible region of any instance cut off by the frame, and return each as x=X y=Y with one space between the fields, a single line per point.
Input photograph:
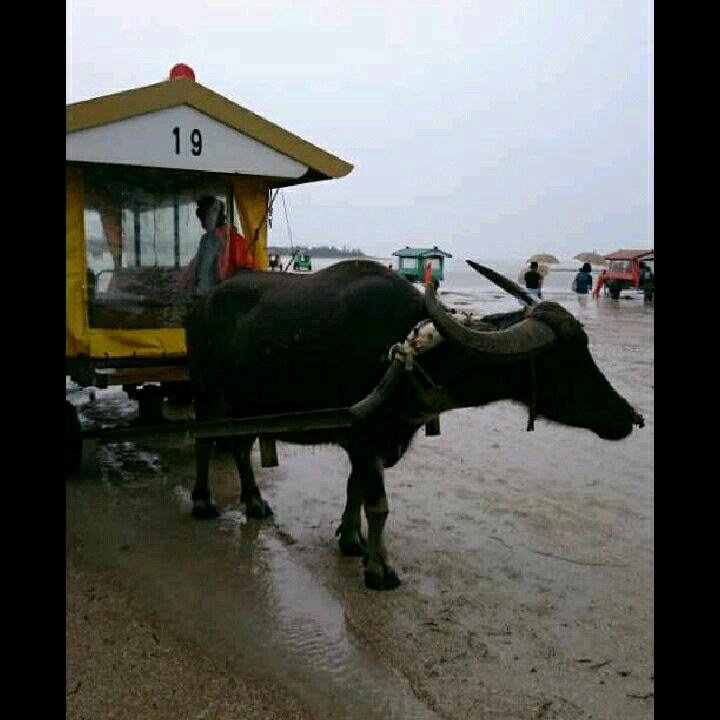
x=182 y=70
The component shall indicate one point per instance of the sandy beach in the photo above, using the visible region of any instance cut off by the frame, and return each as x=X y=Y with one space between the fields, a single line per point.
x=527 y=563
x=122 y=662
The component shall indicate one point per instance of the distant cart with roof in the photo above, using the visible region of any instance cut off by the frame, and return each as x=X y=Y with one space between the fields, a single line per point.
x=623 y=271
x=136 y=164
x=302 y=261
x=412 y=263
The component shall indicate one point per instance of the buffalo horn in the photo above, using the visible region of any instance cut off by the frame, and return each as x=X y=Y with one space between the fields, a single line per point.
x=505 y=283
x=527 y=337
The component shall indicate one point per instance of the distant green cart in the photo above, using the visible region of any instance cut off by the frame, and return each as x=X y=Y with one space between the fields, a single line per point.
x=302 y=262
x=412 y=262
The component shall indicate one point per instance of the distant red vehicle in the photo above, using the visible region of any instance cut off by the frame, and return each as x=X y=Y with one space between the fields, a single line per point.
x=623 y=271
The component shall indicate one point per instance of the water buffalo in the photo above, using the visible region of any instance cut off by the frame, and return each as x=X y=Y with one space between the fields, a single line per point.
x=264 y=343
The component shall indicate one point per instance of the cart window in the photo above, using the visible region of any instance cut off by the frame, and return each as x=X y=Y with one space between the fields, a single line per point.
x=408 y=263
x=141 y=232
x=621 y=266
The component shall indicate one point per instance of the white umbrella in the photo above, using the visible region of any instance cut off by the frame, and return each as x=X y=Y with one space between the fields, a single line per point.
x=591 y=257
x=544 y=258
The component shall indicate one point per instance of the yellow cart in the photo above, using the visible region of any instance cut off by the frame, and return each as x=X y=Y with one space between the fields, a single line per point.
x=137 y=162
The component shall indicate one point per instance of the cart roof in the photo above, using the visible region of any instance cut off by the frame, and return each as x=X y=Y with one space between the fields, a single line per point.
x=421 y=252
x=629 y=254
x=134 y=127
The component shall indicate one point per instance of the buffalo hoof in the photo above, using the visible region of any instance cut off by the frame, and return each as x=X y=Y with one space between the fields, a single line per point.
x=258 y=509
x=352 y=545
x=387 y=580
x=204 y=510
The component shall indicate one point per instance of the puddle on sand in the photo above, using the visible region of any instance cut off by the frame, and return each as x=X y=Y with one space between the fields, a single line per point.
x=319 y=655
x=305 y=643
x=231 y=585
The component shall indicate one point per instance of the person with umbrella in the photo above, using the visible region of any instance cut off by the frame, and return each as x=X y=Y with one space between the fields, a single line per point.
x=533 y=280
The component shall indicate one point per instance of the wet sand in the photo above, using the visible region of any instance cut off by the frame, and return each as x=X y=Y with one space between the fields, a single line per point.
x=526 y=558
x=123 y=663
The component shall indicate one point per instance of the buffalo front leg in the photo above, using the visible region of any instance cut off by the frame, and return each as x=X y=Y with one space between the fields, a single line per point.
x=203 y=504
x=255 y=506
x=379 y=574
x=351 y=541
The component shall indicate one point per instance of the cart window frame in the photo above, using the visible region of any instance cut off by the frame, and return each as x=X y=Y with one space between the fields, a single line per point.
x=140 y=233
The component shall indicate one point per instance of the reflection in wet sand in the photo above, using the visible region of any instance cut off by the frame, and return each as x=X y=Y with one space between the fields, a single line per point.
x=232 y=585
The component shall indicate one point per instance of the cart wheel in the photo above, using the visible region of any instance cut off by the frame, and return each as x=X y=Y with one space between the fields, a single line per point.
x=614 y=291
x=73 y=438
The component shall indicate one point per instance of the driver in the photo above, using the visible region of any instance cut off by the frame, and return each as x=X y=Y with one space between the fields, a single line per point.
x=222 y=251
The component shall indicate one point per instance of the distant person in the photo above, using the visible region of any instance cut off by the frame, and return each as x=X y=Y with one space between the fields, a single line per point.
x=582 y=283
x=427 y=273
x=428 y=276
x=533 y=281
x=222 y=251
x=647 y=281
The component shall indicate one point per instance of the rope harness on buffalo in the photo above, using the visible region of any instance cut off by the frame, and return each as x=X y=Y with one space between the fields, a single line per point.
x=424 y=337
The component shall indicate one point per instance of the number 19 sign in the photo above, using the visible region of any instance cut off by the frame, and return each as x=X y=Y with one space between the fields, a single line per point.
x=195 y=141
x=180 y=138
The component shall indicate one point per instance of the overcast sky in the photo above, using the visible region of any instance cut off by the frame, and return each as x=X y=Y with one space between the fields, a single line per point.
x=493 y=129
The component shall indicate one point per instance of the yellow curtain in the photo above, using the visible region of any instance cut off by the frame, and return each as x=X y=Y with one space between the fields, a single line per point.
x=251 y=199
x=76 y=326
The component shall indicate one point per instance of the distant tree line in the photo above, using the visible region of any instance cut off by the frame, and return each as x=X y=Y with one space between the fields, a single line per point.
x=319 y=251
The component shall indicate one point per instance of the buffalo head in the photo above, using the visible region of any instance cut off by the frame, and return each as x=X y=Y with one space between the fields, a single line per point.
x=538 y=356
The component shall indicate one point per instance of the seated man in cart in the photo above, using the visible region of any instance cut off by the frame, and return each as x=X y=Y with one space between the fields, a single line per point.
x=222 y=252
